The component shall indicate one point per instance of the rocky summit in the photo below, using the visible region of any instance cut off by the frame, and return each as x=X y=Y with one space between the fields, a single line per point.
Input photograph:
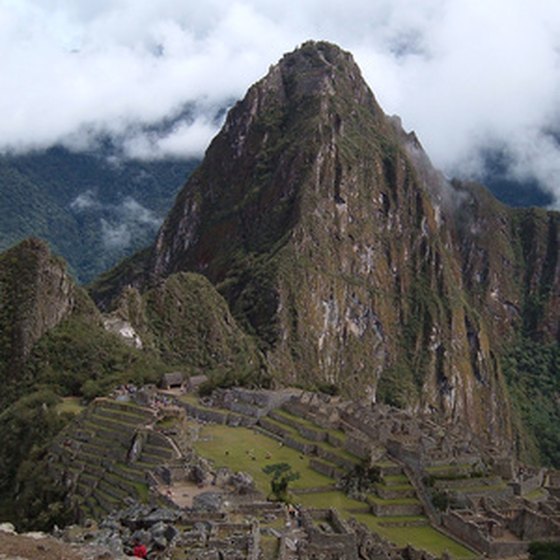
x=356 y=264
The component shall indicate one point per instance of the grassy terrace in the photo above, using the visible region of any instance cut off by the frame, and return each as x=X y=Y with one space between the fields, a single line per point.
x=396 y=480
x=445 y=471
x=423 y=536
x=308 y=424
x=480 y=489
x=241 y=444
x=323 y=444
x=71 y=405
x=190 y=398
x=235 y=447
x=536 y=494
x=393 y=501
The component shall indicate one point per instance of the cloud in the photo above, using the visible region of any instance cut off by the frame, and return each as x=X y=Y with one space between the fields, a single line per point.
x=85 y=201
x=467 y=75
x=184 y=139
x=120 y=223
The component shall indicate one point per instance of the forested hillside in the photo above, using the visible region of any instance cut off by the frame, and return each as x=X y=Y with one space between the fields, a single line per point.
x=93 y=208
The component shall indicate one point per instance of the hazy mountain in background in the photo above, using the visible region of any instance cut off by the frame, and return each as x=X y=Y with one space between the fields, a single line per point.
x=93 y=208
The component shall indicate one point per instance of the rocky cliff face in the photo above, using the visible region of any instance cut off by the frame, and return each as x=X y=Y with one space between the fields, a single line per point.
x=354 y=262
x=36 y=293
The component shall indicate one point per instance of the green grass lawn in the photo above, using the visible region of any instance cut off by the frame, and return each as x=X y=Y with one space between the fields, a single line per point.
x=423 y=537
x=70 y=404
x=396 y=480
x=242 y=443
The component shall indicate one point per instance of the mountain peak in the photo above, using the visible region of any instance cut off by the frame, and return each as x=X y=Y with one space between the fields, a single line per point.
x=329 y=234
x=315 y=67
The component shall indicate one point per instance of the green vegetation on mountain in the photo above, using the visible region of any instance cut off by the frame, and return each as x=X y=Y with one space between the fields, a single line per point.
x=544 y=551
x=27 y=428
x=185 y=321
x=92 y=208
x=80 y=358
x=55 y=343
x=533 y=373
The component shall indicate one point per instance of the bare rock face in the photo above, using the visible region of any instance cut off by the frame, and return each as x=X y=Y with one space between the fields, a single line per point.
x=353 y=261
x=330 y=240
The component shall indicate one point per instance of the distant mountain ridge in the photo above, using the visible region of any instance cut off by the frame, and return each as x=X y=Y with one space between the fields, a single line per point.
x=94 y=209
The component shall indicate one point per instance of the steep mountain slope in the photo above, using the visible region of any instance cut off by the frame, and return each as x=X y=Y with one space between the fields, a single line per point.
x=330 y=243
x=93 y=207
x=355 y=263
x=352 y=260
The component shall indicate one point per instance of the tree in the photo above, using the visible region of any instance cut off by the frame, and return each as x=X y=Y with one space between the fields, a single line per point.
x=282 y=475
x=544 y=551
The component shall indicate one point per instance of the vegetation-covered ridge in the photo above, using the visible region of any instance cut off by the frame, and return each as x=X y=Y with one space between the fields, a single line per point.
x=94 y=208
x=55 y=343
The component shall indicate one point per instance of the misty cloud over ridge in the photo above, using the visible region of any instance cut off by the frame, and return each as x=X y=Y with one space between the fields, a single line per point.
x=467 y=75
x=119 y=223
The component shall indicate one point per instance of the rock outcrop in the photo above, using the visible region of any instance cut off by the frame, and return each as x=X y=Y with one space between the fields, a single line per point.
x=36 y=294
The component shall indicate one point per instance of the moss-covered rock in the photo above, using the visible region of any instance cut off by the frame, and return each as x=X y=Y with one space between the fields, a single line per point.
x=187 y=323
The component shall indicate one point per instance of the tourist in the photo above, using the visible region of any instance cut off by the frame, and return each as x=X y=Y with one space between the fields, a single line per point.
x=139 y=550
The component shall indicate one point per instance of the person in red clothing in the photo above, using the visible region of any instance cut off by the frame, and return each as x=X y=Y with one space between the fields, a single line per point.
x=139 y=550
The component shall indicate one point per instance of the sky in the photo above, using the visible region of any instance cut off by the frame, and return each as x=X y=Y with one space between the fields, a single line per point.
x=466 y=75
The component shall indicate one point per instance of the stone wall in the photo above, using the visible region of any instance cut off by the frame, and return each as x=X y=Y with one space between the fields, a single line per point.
x=409 y=456
x=357 y=446
x=527 y=484
x=342 y=462
x=338 y=540
x=466 y=531
x=326 y=468
x=532 y=526
x=470 y=533
x=395 y=510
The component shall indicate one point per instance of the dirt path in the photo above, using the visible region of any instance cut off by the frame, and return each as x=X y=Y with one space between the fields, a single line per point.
x=20 y=547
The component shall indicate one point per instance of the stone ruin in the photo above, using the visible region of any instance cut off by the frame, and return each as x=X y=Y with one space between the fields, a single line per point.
x=497 y=507
x=478 y=477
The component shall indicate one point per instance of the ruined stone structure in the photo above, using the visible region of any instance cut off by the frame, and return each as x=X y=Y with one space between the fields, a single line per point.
x=118 y=450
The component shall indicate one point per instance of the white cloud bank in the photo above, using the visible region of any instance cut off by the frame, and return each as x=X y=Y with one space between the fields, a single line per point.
x=465 y=74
